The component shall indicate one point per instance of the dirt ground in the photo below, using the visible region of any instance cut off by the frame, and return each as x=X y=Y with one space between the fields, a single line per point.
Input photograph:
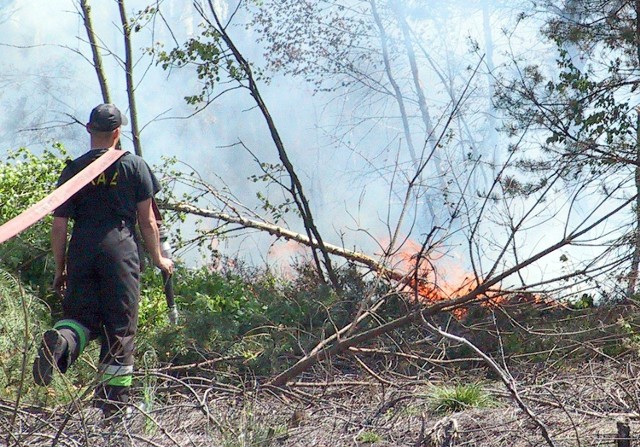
x=575 y=407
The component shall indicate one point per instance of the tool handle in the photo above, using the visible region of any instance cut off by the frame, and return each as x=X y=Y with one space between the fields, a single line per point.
x=171 y=301
x=168 y=289
x=167 y=279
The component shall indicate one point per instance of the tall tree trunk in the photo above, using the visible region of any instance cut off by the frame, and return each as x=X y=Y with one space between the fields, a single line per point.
x=491 y=126
x=635 y=237
x=400 y=13
x=95 y=50
x=384 y=42
x=128 y=67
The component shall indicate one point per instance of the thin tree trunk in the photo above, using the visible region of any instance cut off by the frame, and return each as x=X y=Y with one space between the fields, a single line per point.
x=491 y=126
x=296 y=189
x=394 y=84
x=635 y=258
x=415 y=73
x=422 y=104
x=95 y=50
x=128 y=67
x=635 y=238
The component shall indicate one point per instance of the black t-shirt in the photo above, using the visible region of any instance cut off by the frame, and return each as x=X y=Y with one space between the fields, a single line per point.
x=113 y=195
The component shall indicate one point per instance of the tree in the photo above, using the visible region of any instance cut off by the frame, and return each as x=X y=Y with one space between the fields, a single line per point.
x=585 y=112
x=379 y=60
x=210 y=54
x=495 y=225
x=28 y=255
x=127 y=63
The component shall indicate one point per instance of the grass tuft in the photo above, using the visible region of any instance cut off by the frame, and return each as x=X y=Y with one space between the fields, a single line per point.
x=448 y=399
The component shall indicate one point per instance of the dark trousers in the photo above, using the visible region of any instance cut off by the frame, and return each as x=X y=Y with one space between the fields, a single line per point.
x=103 y=289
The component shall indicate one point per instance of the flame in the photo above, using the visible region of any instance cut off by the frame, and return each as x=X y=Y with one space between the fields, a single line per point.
x=436 y=277
x=283 y=251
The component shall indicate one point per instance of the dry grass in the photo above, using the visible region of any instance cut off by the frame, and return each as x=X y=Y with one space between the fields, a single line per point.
x=579 y=406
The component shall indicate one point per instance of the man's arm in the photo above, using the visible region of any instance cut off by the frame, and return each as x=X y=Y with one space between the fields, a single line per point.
x=59 y=248
x=151 y=235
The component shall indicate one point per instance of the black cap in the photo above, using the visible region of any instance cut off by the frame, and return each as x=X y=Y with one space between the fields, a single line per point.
x=106 y=118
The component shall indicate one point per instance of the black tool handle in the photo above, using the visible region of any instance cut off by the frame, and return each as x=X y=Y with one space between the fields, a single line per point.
x=167 y=279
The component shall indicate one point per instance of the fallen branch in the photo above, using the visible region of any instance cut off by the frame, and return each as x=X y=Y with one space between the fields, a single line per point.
x=322 y=352
x=284 y=233
x=504 y=375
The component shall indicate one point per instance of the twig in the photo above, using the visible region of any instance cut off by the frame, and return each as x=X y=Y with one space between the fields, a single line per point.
x=504 y=375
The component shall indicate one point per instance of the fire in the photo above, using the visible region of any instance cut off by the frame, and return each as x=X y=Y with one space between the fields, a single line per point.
x=282 y=252
x=436 y=277
x=432 y=276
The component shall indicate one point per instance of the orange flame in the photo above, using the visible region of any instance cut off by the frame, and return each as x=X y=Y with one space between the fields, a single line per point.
x=434 y=278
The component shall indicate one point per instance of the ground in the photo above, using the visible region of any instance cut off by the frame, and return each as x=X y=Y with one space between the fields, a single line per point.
x=577 y=406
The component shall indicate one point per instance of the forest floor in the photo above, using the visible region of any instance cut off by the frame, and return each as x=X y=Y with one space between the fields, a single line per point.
x=575 y=406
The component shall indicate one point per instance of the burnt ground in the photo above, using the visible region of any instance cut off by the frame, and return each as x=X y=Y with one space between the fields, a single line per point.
x=578 y=406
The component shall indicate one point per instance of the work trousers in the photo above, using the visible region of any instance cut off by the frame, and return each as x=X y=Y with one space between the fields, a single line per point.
x=103 y=290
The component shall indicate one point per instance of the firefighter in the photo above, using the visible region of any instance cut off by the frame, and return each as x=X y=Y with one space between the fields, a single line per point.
x=98 y=275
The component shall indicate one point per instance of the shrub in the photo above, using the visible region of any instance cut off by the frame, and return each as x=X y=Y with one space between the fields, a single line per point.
x=369 y=437
x=25 y=178
x=249 y=313
x=25 y=318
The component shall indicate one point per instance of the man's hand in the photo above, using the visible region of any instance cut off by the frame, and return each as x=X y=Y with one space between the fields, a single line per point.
x=60 y=283
x=164 y=264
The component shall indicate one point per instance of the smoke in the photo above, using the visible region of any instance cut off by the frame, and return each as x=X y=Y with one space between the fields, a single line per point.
x=347 y=146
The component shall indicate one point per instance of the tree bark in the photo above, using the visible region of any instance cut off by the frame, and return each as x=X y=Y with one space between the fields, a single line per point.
x=128 y=67
x=635 y=237
x=394 y=84
x=95 y=50
x=284 y=233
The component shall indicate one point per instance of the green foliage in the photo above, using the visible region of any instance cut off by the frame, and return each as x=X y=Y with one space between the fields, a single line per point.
x=149 y=385
x=584 y=302
x=25 y=318
x=449 y=399
x=584 y=103
x=577 y=121
x=369 y=437
x=142 y=18
x=273 y=174
x=567 y=334
x=26 y=178
x=152 y=312
x=19 y=312
x=262 y=320
x=627 y=337
x=213 y=63
x=212 y=309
